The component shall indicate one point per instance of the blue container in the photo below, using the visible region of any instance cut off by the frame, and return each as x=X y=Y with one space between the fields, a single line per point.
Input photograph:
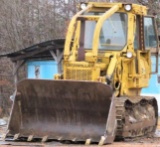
x=154 y=86
x=41 y=69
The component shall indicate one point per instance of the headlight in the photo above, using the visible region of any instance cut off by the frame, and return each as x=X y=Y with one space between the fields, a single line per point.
x=128 y=7
x=129 y=55
x=83 y=6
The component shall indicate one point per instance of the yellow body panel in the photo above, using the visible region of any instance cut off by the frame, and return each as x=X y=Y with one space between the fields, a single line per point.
x=126 y=75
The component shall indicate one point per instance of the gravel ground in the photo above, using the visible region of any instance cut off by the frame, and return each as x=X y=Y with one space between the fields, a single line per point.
x=143 y=142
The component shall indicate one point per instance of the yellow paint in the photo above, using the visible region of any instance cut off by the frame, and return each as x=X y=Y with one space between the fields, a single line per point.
x=127 y=75
x=71 y=31
x=100 y=22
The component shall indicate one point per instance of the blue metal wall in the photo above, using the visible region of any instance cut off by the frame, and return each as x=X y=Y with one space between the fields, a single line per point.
x=46 y=69
x=154 y=86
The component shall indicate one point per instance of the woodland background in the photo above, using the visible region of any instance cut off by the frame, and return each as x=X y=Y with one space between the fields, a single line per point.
x=27 y=22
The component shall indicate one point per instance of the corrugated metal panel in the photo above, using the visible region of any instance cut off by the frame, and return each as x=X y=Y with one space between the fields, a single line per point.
x=41 y=69
x=57 y=43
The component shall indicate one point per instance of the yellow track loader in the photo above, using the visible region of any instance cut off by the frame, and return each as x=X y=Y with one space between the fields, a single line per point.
x=106 y=63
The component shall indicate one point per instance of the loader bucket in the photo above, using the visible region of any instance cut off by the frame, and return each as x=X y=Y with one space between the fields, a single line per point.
x=61 y=109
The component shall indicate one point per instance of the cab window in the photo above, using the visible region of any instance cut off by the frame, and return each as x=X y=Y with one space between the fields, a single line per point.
x=149 y=33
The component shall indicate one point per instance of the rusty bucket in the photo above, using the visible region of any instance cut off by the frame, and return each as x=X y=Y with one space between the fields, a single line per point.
x=63 y=109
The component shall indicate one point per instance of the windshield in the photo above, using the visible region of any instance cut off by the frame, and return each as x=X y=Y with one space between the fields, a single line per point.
x=113 y=33
x=149 y=33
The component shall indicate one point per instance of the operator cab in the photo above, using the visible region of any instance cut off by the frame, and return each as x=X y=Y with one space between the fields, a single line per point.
x=113 y=33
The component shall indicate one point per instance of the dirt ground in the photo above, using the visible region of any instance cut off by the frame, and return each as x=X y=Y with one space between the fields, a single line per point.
x=115 y=144
x=145 y=142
